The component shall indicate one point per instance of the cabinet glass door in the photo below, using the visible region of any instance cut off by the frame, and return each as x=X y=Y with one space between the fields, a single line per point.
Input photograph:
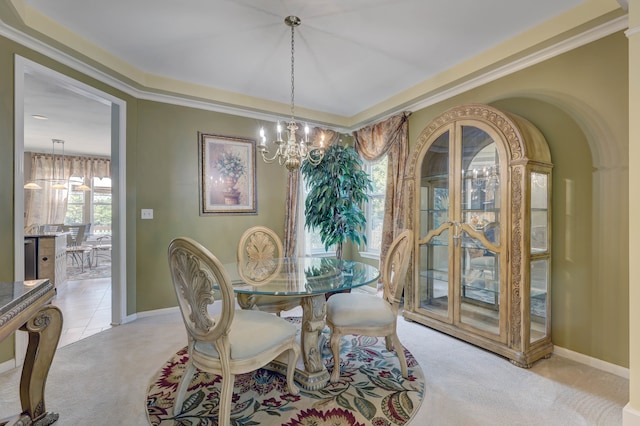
x=479 y=231
x=480 y=207
x=540 y=257
x=434 y=292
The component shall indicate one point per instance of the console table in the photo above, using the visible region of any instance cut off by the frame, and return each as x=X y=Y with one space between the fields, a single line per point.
x=24 y=305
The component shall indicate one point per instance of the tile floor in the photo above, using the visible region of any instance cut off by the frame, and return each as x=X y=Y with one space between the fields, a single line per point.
x=85 y=306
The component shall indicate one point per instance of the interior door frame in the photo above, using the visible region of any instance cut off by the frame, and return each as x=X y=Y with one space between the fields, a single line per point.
x=118 y=180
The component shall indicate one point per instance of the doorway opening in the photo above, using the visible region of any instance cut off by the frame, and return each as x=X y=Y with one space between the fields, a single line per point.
x=50 y=105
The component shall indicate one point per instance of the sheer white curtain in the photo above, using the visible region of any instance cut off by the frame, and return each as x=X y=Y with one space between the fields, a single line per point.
x=48 y=205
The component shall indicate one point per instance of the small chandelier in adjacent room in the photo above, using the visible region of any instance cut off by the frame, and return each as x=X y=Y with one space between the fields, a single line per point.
x=83 y=186
x=56 y=182
x=291 y=153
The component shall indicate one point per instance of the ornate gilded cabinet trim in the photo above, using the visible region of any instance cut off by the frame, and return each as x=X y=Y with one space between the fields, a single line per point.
x=479 y=185
x=516 y=258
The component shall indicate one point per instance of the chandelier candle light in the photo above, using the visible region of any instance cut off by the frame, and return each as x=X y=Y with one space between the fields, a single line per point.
x=291 y=153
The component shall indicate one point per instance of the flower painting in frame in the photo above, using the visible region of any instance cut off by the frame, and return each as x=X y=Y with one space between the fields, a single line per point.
x=227 y=175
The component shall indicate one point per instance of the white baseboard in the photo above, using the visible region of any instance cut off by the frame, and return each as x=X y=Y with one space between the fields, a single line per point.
x=7 y=365
x=592 y=362
x=155 y=312
x=130 y=318
x=630 y=416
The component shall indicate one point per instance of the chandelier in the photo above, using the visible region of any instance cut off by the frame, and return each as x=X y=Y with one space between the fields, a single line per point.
x=291 y=153
x=55 y=181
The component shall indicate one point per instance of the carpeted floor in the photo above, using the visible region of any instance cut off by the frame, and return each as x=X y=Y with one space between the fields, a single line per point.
x=371 y=391
x=103 y=381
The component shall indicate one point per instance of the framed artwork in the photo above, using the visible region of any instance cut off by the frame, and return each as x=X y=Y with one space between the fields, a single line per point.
x=227 y=169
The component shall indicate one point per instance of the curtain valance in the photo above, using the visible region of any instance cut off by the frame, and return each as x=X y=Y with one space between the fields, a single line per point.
x=390 y=137
x=42 y=166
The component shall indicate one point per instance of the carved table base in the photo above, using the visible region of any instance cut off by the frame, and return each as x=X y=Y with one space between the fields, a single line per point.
x=314 y=375
x=43 y=322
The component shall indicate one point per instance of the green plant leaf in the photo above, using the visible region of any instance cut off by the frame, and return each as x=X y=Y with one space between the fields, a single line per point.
x=338 y=186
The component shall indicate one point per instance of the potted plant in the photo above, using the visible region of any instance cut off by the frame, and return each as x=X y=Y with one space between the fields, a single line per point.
x=338 y=187
x=231 y=168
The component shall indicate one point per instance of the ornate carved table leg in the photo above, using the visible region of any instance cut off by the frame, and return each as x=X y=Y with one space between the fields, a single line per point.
x=44 y=333
x=313 y=314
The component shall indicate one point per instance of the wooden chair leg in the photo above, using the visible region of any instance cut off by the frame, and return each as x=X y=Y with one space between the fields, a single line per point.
x=334 y=341
x=400 y=352
x=388 y=342
x=294 y=354
x=182 y=387
x=226 y=395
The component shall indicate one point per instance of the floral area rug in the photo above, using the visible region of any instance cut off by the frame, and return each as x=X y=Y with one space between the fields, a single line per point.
x=371 y=391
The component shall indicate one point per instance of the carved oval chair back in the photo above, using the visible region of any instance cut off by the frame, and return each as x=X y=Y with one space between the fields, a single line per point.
x=222 y=340
x=260 y=247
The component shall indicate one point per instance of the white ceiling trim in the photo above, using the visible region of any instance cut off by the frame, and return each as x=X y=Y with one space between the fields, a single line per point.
x=574 y=42
x=632 y=31
x=586 y=37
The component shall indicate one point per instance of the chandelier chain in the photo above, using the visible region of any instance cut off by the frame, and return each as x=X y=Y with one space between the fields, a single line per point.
x=289 y=151
x=292 y=74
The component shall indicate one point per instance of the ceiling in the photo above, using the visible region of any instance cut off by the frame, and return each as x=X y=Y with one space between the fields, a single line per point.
x=352 y=57
x=81 y=120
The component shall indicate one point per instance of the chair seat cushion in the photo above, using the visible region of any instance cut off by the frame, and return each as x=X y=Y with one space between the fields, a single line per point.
x=356 y=309
x=252 y=332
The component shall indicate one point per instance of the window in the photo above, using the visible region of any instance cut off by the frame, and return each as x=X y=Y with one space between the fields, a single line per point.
x=92 y=206
x=309 y=242
x=374 y=209
x=75 y=202
x=101 y=206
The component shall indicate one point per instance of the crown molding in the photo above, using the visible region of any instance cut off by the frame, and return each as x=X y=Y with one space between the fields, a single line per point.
x=80 y=66
x=571 y=43
x=632 y=31
x=624 y=4
x=542 y=55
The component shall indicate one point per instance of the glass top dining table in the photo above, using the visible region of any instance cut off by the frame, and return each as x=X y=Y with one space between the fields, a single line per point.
x=301 y=276
x=306 y=279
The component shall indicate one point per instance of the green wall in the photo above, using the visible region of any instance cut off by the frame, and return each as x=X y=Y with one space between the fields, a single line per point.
x=578 y=100
x=6 y=176
x=8 y=50
x=166 y=177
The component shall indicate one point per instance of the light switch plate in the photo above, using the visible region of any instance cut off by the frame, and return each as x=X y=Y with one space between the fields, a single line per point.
x=146 y=213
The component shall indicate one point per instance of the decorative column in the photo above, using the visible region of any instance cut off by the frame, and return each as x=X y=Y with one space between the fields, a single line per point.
x=631 y=412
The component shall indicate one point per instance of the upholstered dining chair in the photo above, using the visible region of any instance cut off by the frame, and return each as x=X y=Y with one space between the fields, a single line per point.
x=259 y=246
x=230 y=342
x=368 y=314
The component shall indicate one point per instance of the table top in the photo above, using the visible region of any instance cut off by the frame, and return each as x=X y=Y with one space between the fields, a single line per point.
x=16 y=292
x=299 y=276
x=19 y=300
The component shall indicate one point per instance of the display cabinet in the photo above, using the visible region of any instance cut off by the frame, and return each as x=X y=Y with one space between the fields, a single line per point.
x=479 y=185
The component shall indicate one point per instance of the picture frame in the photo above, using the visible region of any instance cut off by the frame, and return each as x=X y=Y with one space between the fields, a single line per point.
x=227 y=175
